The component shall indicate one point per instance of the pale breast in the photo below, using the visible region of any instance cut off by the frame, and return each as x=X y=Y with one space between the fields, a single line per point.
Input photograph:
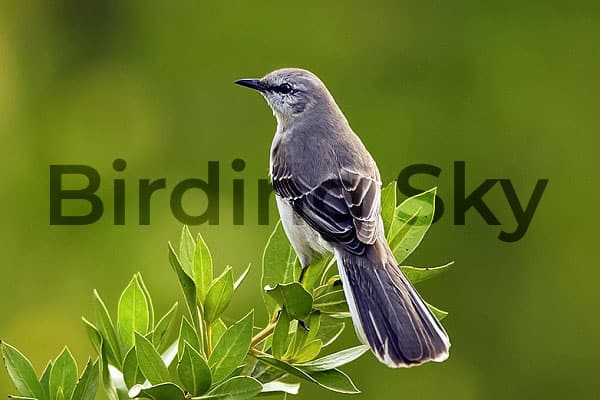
x=307 y=243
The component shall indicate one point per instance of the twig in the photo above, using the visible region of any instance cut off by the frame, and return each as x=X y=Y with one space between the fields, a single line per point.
x=262 y=335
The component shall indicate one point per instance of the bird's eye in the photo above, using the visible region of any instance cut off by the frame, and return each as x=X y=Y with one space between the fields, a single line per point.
x=284 y=88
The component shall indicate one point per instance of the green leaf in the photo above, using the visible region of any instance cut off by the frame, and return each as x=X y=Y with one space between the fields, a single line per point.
x=416 y=275
x=161 y=332
x=310 y=350
x=21 y=372
x=329 y=330
x=161 y=391
x=203 y=267
x=193 y=371
x=107 y=384
x=236 y=388
x=93 y=334
x=439 y=314
x=278 y=264
x=188 y=286
x=331 y=302
x=278 y=386
x=170 y=354
x=333 y=282
x=45 y=380
x=242 y=277
x=265 y=373
x=335 y=360
x=314 y=272
x=314 y=324
x=296 y=301
x=217 y=330
x=334 y=380
x=188 y=334
x=284 y=366
x=280 y=335
x=87 y=386
x=327 y=278
x=131 y=371
x=341 y=315
x=150 y=362
x=296 y=270
x=388 y=205
x=231 y=350
x=321 y=290
x=148 y=300
x=63 y=376
x=299 y=339
x=412 y=219
x=107 y=330
x=218 y=296
x=187 y=247
x=133 y=313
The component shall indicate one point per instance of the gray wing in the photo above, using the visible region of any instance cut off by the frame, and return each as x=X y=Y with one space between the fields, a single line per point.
x=343 y=208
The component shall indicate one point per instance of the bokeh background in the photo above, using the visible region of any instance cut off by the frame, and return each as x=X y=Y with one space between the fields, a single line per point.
x=509 y=87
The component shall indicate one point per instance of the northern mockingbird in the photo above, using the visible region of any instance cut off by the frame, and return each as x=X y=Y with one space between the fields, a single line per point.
x=328 y=192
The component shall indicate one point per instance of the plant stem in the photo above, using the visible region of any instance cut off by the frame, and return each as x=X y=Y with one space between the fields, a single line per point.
x=255 y=352
x=267 y=330
x=208 y=341
x=262 y=335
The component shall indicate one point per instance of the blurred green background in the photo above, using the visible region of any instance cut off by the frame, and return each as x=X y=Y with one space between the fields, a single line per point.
x=509 y=87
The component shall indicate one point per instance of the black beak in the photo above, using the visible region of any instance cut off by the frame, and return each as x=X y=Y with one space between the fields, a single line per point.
x=255 y=84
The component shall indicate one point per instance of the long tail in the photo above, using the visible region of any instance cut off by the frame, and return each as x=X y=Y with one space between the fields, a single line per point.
x=387 y=312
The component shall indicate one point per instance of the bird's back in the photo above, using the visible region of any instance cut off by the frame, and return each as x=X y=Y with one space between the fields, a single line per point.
x=319 y=146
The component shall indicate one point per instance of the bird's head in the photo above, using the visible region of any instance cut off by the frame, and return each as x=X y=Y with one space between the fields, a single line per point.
x=291 y=92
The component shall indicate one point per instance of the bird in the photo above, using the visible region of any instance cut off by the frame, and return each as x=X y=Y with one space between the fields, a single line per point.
x=328 y=193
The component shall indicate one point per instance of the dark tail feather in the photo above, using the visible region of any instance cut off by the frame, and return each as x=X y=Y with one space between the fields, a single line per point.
x=387 y=312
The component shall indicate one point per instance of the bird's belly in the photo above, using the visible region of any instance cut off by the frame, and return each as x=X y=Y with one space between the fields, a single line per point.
x=307 y=243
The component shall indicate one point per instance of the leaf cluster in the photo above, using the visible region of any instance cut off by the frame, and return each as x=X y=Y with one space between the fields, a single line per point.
x=197 y=355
